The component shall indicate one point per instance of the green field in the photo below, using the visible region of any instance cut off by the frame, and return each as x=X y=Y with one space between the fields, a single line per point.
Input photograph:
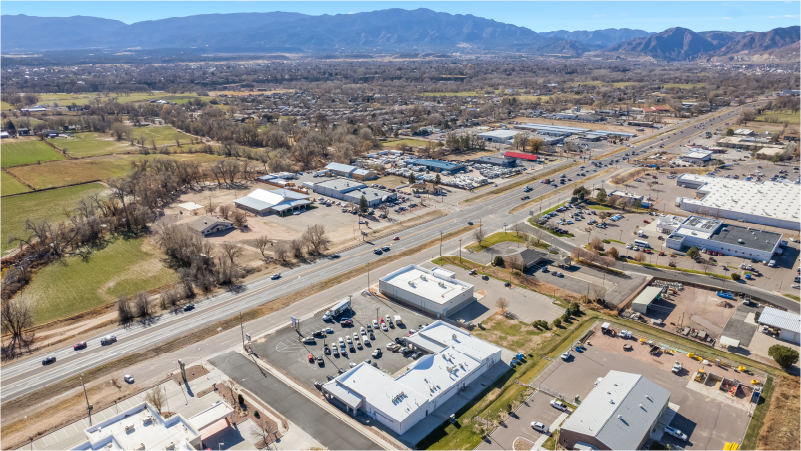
x=164 y=135
x=6 y=106
x=62 y=173
x=38 y=206
x=25 y=152
x=780 y=116
x=85 y=98
x=10 y=185
x=78 y=284
x=90 y=143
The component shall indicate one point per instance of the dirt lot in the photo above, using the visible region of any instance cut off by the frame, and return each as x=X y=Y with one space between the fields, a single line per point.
x=698 y=309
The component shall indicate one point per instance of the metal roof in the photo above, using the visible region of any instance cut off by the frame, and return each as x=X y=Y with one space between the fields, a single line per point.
x=522 y=156
x=780 y=319
x=340 y=167
x=647 y=295
x=204 y=222
x=436 y=164
x=620 y=410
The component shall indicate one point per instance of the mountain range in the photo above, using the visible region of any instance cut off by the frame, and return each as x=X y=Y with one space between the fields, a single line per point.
x=384 y=31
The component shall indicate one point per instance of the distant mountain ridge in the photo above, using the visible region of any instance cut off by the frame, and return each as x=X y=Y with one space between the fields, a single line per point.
x=383 y=31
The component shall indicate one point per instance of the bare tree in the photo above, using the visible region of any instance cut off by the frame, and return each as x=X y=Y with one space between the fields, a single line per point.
x=316 y=238
x=502 y=304
x=210 y=206
x=517 y=228
x=231 y=249
x=239 y=218
x=672 y=261
x=141 y=304
x=124 y=308
x=156 y=398
x=261 y=244
x=598 y=243
x=16 y=320
x=640 y=257
x=225 y=211
x=281 y=252
x=261 y=433
x=296 y=246
x=479 y=235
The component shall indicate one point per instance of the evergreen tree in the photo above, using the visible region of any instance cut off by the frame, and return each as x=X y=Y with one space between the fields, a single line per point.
x=363 y=207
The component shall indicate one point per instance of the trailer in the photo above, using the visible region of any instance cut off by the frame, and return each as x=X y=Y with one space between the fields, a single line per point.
x=338 y=308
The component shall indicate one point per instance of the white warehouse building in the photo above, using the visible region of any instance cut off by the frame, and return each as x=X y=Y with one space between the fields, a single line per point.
x=435 y=290
x=499 y=136
x=729 y=239
x=401 y=403
x=769 y=203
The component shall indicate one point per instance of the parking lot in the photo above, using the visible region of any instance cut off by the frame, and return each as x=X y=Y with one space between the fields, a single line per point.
x=706 y=419
x=284 y=348
x=518 y=425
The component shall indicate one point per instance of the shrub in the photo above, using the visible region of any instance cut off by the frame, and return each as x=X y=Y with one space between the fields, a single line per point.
x=693 y=252
x=575 y=309
x=613 y=253
x=735 y=277
x=783 y=355
x=256 y=413
x=498 y=261
x=241 y=399
x=557 y=322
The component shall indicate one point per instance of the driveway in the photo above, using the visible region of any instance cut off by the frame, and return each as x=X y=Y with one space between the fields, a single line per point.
x=740 y=329
x=297 y=408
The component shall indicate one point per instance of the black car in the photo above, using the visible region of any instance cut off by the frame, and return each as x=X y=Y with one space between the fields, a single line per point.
x=330 y=377
x=189 y=307
x=320 y=360
x=341 y=370
x=49 y=360
x=485 y=277
x=345 y=322
x=318 y=333
x=318 y=385
x=507 y=284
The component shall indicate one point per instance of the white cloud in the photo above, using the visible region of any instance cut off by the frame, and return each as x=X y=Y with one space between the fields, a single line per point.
x=725 y=18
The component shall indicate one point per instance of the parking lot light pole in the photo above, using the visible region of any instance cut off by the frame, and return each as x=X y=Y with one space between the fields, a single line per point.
x=460 y=251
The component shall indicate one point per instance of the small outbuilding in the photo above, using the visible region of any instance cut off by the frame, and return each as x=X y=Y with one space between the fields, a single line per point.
x=787 y=323
x=644 y=299
x=207 y=225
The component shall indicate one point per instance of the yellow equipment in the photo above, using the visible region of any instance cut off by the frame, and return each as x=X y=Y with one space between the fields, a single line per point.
x=690 y=354
x=741 y=368
x=754 y=382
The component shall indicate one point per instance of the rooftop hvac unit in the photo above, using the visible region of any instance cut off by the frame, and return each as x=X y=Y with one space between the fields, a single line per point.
x=423 y=277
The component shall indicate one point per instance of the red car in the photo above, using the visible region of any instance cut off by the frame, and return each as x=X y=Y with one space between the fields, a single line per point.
x=661 y=254
x=80 y=345
x=311 y=358
x=645 y=221
x=396 y=238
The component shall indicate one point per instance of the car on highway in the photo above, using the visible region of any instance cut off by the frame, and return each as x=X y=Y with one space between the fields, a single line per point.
x=80 y=345
x=276 y=276
x=108 y=339
x=128 y=378
x=189 y=307
x=49 y=360
x=469 y=223
x=396 y=238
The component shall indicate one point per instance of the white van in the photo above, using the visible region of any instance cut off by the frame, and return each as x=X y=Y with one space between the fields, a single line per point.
x=642 y=243
x=640 y=234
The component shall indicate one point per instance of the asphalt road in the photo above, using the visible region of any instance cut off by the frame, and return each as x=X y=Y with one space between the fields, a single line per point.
x=312 y=419
x=28 y=374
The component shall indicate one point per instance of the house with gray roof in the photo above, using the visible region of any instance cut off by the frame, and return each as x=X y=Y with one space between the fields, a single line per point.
x=278 y=201
x=206 y=225
x=620 y=413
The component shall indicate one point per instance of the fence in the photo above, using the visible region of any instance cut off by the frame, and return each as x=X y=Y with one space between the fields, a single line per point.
x=551 y=392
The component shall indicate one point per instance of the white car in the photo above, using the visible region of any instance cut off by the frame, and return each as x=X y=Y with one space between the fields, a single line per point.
x=676 y=433
x=622 y=333
x=128 y=378
x=384 y=327
x=353 y=364
x=558 y=405
x=629 y=246
x=375 y=324
x=565 y=355
x=537 y=426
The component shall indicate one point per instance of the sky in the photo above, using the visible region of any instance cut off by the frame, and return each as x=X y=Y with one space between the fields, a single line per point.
x=653 y=16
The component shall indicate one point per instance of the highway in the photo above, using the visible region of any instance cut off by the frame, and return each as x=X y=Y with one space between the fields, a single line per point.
x=29 y=374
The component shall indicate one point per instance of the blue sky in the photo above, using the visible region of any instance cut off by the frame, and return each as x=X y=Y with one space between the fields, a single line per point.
x=536 y=15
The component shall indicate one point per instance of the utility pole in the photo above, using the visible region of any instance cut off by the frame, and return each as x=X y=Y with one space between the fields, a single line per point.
x=242 y=329
x=440 y=248
x=376 y=313
x=88 y=406
x=368 y=277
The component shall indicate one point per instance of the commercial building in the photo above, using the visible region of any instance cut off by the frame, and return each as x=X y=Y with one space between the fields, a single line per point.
x=352 y=191
x=435 y=291
x=278 y=201
x=620 y=413
x=668 y=224
x=142 y=427
x=531 y=257
x=769 y=203
x=747 y=143
x=498 y=136
x=346 y=170
x=787 y=323
x=206 y=225
x=698 y=157
x=437 y=165
x=728 y=239
x=641 y=303
x=495 y=161
x=519 y=156
x=633 y=198
x=456 y=359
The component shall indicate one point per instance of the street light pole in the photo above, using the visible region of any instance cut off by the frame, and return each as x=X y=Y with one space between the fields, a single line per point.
x=460 y=250
x=88 y=406
x=242 y=329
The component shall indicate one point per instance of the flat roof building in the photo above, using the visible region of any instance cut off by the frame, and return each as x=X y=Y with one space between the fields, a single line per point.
x=498 y=136
x=698 y=157
x=279 y=201
x=435 y=291
x=620 y=413
x=728 y=239
x=455 y=359
x=769 y=203
x=346 y=170
x=495 y=161
x=788 y=323
x=520 y=156
x=436 y=165
x=641 y=303
x=207 y=225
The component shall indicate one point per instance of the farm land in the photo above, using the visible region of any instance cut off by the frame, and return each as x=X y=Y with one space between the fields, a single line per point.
x=27 y=152
x=11 y=185
x=90 y=144
x=64 y=99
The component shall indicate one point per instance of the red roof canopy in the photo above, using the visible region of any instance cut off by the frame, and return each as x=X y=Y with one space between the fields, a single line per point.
x=522 y=156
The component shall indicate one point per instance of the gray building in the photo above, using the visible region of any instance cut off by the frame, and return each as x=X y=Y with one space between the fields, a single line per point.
x=619 y=413
x=206 y=225
x=495 y=161
x=351 y=190
x=279 y=201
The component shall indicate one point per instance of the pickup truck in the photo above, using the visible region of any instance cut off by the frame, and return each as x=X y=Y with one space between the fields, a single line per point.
x=676 y=433
x=676 y=368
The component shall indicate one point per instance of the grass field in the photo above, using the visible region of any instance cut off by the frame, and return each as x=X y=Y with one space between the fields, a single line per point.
x=123 y=266
x=164 y=135
x=496 y=238
x=405 y=142
x=25 y=152
x=38 y=206
x=10 y=185
x=780 y=116
x=90 y=144
x=62 y=173
x=85 y=98
x=6 y=106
